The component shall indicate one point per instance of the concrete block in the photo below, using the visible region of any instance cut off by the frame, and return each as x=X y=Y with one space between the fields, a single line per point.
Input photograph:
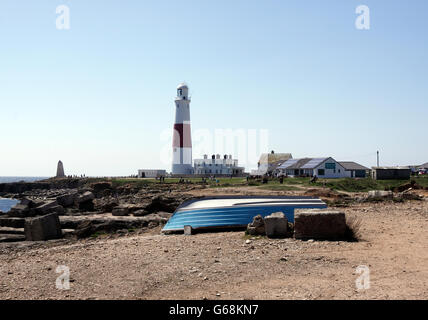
x=321 y=224
x=276 y=225
x=43 y=228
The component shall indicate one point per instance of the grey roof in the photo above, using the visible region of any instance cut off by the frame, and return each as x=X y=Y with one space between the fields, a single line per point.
x=300 y=163
x=350 y=165
x=313 y=163
x=423 y=166
x=288 y=163
x=297 y=163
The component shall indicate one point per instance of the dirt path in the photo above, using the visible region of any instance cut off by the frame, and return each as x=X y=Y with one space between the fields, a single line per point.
x=223 y=266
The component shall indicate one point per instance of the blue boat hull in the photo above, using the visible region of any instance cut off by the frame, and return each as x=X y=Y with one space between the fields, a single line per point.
x=234 y=216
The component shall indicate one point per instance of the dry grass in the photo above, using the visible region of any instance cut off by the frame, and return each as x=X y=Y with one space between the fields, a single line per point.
x=353 y=229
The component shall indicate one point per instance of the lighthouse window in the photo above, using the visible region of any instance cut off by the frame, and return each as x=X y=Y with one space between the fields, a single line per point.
x=180 y=92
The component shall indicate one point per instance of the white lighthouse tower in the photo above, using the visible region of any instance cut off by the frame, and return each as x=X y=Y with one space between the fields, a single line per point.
x=182 y=138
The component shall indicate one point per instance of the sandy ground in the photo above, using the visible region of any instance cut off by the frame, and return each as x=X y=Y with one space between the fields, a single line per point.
x=222 y=266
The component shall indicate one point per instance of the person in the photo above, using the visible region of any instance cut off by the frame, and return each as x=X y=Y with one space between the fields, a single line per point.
x=265 y=179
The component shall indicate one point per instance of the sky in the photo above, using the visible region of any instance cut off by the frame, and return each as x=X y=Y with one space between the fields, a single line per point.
x=292 y=76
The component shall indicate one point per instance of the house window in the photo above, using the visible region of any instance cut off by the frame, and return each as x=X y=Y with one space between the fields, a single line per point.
x=321 y=172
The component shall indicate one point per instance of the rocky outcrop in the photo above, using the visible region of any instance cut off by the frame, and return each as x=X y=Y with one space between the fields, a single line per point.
x=20 y=211
x=160 y=203
x=86 y=226
x=12 y=222
x=101 y=189
x=20 y=187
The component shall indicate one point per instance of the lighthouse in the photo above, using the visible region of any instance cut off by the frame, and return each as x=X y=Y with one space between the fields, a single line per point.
x=182 y=139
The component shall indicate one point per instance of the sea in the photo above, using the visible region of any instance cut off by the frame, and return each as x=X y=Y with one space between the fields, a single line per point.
x=6 y=204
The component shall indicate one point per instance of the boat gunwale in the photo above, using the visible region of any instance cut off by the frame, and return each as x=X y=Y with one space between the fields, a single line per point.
x=190 y=201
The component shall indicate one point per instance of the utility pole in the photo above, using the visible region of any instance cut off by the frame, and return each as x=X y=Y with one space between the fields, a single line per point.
x=378 y=158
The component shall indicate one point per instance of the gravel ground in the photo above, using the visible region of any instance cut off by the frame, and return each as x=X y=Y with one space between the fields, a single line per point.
x=148 y=265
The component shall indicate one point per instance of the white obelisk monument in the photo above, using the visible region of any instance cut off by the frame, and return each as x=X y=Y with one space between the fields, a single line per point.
x=182 y=138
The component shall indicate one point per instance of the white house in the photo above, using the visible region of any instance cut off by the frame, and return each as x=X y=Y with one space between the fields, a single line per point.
x=269 y=162
x=151 y=173
x=217 y=166
x=320 y=167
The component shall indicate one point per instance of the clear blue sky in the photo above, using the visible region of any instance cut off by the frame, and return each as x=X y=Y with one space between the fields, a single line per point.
x=100 y=95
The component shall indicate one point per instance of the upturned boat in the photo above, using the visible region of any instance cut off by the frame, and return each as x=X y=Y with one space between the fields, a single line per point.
x=235 y=211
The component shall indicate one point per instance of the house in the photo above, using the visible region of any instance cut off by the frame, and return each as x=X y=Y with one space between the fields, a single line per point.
x=388 y=173
x=217 y=166
x=423 y=166
x=292 y=167
x=151 y=173
x=320 y=167
x=269 y=162
x=354 y=170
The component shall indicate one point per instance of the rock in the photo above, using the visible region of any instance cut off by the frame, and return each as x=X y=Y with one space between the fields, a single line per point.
x=46 y=207
x=100 y=188
x=152 y=224
x=8 y=230
x=140 y=213
x=19 y=211
x=43 y=228
x=11 y=238
x=257 y=227
x=133 y=207
x=188 y=230
x=67 y=200
x=120 y=211
x=248 y=241
x=408 y=196
x=85 y=202
x=379 y=195
x=12 y=222
x=87 y=196
x=319 y=224
x=109 y=206
x=28 y=202
x=109 y=223
x=59 y=210
x=84 y=229
x=276 y=225
x=159 y=203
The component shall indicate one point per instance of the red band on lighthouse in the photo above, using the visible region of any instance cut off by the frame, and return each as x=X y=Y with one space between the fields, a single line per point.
x=182 y=136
